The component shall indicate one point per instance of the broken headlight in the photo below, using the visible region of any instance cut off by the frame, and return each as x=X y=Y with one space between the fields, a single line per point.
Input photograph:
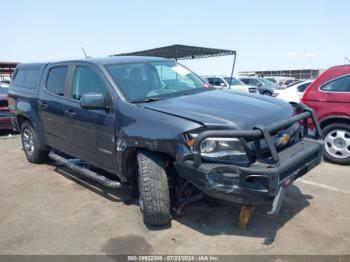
x=220 y=149
x=228 y=149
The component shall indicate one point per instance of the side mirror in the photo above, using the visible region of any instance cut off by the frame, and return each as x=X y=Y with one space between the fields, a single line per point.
x=93 y=101
x=222 y=84
x=258 y=84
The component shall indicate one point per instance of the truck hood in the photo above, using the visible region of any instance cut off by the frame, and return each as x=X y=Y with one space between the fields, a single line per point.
x=222 y=108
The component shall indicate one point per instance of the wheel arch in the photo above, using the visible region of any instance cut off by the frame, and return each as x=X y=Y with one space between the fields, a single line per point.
x=34 y=121
x=129 y=160
x=20 y=120
x=334 y=119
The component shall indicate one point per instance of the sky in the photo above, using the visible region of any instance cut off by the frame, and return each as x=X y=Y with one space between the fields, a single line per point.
x=267 y=34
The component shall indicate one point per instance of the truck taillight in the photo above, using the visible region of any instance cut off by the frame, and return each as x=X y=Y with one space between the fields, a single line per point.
x=11 y=103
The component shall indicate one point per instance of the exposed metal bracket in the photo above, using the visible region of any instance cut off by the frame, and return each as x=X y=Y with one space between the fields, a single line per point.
x=269 y=142
x=276 y=205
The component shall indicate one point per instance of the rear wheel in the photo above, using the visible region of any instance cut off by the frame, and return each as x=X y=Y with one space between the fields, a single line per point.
x=337 y=143
x=154 y=189
x=33 y=149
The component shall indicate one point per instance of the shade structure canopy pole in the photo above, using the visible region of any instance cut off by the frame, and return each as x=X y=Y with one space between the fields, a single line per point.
x=233 y=68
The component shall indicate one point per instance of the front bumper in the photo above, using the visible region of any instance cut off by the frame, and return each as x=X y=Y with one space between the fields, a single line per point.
x=256 y=183
x=259 y=181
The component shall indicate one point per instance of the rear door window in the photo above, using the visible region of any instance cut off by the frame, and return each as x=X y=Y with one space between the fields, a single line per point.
x=56 y=80
x=244 y=80
x=341 y=84
x=253 y=82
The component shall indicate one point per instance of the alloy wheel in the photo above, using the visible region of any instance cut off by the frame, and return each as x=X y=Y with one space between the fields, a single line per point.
x=28 y=141
x=337 y=143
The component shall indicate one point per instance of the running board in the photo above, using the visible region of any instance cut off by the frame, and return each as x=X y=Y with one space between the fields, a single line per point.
x=72 y=164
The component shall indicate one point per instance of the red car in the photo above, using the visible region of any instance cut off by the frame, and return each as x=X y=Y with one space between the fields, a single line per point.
x=329 y=96
x=5 y=115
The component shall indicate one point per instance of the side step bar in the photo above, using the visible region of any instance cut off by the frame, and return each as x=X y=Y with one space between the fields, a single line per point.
x=72 y=164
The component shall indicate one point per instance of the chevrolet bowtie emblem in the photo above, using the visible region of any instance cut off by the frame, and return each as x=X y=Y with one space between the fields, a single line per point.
x=283 y=139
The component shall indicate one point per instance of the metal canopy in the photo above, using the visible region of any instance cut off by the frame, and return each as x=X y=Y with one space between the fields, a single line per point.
x=7 y=68
x=181 y=52
x=185 y=52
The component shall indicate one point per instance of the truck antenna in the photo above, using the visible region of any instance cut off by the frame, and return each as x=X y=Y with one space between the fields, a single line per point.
x=347 y=59
x=86 y=56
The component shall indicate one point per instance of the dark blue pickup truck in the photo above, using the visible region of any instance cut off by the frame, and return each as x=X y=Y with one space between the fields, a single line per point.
x=156 y=126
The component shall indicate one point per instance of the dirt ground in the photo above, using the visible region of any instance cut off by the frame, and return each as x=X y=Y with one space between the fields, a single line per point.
x=46 y=209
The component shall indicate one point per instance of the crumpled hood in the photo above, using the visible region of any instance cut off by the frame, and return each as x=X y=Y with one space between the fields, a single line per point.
x=225 y=108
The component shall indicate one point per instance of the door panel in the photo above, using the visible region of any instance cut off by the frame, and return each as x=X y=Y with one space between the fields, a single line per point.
x=50 y=107
x=91 y=131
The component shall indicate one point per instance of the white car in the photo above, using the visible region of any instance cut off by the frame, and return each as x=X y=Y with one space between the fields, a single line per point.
x=293 y=93
x=220 y=82
x=4 y=83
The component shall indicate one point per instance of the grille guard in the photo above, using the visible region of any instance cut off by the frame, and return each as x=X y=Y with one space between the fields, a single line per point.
x=260 y=131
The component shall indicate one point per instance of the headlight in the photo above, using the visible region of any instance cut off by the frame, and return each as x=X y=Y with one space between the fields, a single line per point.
x=208 y=146
x=223 y=148
x=230 y=150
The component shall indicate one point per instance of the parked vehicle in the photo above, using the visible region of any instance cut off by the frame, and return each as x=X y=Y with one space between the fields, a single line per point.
x=329 y=96
x=225 y=83
x=265 y=87
x=293 y=93
x=280 y=80
x=5 y=115
x=289 y=83
x=154 y=124
x=4 y=83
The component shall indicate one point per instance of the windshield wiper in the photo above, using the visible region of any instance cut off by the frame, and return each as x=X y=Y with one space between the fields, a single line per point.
x=186 y=93
x=147 y=100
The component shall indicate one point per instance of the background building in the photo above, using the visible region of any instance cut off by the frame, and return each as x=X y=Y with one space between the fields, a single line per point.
x=6 y=70
x=295 y=73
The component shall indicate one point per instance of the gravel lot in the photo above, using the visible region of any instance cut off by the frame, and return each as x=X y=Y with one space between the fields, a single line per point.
x=46 y=209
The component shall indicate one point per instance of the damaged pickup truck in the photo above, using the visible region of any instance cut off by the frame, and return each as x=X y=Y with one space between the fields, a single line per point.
x=152 y=124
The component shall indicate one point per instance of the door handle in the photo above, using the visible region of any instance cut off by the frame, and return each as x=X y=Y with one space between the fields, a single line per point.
x=42 y=105
x=70 y=113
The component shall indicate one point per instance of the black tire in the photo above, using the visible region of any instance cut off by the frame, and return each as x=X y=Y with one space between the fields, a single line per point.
x=154 y=189
x=38 y=153
x=266 y=93
x=329 y=131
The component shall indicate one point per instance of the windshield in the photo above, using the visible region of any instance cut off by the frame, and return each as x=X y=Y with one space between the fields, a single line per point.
x=141 y=81
x=234 y=81
x=266 y=82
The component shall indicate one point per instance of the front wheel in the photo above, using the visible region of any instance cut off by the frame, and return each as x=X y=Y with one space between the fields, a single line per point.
x=33 y=149
x=337 y=143
x=154 y=189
